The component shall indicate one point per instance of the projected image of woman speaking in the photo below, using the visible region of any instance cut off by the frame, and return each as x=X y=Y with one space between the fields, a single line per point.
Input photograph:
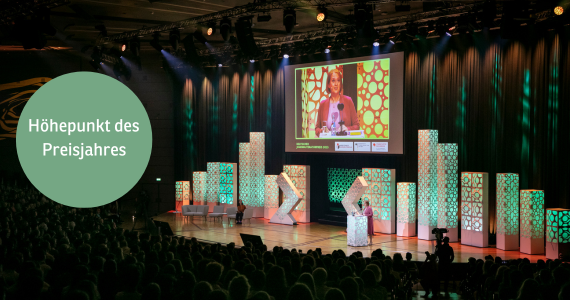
x=337 y=108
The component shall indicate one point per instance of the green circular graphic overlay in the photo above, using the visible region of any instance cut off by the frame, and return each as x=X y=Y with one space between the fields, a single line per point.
x=84 y=139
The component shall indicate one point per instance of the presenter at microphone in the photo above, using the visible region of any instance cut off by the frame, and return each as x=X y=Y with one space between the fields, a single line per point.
x=369 y=213
x=329 y=111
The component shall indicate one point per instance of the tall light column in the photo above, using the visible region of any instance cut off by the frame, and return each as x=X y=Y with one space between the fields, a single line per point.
x=406 y=209
x=475 y=209
x=427 y=183
x=381 y=193
x=447 y=166
x=557 y=233
x=532 y=221
x=508 y=211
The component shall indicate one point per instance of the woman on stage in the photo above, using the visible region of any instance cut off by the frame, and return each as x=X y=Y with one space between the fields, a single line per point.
x=329 y=108
x=368 y=212
x=239 y=215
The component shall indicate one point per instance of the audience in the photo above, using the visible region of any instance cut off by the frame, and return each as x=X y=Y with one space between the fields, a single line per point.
x=50 y=251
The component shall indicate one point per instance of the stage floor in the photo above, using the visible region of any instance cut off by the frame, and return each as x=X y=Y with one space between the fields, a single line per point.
x=314 y=235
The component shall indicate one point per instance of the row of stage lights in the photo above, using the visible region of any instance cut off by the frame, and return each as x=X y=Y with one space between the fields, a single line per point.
x=443 y=27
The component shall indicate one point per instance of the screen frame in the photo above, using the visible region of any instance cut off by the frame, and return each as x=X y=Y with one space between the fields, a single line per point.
x=396 y=86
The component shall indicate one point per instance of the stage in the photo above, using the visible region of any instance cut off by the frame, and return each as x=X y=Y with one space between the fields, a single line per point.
x=314 y=235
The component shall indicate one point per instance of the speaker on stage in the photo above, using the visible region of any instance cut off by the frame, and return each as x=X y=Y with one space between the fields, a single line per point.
x=163 y=228
x=254 y=239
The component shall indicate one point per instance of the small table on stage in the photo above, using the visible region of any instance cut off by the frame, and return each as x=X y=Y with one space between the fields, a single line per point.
x=357 y=229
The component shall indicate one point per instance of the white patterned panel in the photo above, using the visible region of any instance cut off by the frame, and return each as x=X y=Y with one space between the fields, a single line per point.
x=199 y=187
x=292 y=199
x=427 y=178
x=271 y=192
x=350 y=200
x=257 y=168
x=406 y=202
x=357 y=231
x=244 y=172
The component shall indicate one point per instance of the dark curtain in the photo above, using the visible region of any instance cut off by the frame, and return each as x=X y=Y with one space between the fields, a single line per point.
x=505 y=103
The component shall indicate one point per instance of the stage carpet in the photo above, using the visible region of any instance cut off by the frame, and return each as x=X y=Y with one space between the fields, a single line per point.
x=307 y=236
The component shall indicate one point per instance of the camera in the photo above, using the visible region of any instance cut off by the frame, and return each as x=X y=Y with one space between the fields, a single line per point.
x=439 y=230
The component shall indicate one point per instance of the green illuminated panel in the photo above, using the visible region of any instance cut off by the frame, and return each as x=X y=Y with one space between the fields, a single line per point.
x=297 y=174
x=558 y=225
x=532 y=214
x=447 y=166
x=339 y=182
x=213 y=184
x=257 y=169
x=508 y=203
x=226 y=188
x=472 y=201
x=406 y=202
x=379 y=192
x=182 y=190
x=199 y=180
x=271 y=192
x=427 y=177
x=244 y=172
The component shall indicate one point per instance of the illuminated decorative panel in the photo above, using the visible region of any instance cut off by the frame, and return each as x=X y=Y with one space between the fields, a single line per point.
x=474 y=209
x=557 y=233
x=350 y=200
x=373 y=97
x=182 y=193
x=356 y=231
x=406 y=209
x=427 y=183
x=300 y=176
x=340 y=181
x=447 y=176
x=228 y=189
x=508 y=211
x=213 y=183
x=257 y=172
x=532 y=221
x=199 y=180
x=293 y=197
x=244 y=172
x=271 y=196
x=381 y=193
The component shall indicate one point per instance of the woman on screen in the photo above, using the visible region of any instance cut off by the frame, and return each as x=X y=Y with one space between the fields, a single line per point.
x=337 y=107
x=369 y=213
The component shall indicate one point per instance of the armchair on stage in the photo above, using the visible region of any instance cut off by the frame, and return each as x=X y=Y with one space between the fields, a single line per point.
x=357 y=224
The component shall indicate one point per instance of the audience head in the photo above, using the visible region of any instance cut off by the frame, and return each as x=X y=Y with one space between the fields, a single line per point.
x=299 y=291
x=239 y=288
x=334 y=294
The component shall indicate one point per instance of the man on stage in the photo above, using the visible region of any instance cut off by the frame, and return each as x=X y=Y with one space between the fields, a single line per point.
x=445 y=254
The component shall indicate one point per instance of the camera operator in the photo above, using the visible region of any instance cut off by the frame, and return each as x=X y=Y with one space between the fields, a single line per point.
x=430 y=278
x=446 y=256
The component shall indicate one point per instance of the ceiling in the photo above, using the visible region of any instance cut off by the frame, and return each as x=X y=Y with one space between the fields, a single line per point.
x=76 y=20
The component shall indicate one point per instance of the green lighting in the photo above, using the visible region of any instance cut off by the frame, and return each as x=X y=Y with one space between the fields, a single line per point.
x=158 y=179
x=472 y=201
x=406 y=202
x=257 y=168
x=558 y=225
x=379 y=192
x=226 y=190
x=271 y=192
x=447 y=166
x=244 y=172
x=508 y=204
x=427 y=177
x=340 y=181
x=199 y=180
x=213 y=182
x=532 y=214
x=182 y=190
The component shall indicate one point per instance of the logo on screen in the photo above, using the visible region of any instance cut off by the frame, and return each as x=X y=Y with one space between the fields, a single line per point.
x=337 y=146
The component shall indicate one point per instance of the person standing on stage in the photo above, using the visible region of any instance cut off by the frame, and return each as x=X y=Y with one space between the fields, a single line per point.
x=368 y=212
x=241 y=208
x=446 y=256
x=329 y=111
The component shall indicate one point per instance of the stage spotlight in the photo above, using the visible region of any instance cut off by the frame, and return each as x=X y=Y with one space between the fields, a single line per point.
x=220 y=65
x=392 y=42
x=174 y=38
x=155 y=43
x=199 y=36
x=225 y=28
x=124 y=46
x=211 y=28
x=252 y=60
x=285 y=55
x=289 y=20
x=376 y=44
x=245 y=35
x=327 y=50
x=264 y=18
x=558 y=10
x=321 y=14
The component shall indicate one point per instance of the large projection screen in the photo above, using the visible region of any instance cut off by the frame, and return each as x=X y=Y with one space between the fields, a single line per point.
x=369 y=119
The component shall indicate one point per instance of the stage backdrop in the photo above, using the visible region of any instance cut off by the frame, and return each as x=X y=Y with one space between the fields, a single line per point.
x=501 y=101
